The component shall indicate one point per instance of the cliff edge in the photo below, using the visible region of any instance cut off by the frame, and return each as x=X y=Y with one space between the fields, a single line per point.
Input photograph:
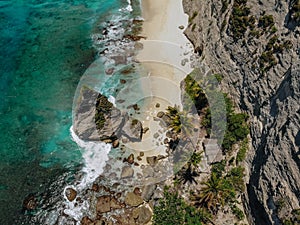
x=254 y=44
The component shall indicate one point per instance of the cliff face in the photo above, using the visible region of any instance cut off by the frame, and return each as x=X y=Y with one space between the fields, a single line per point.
x=254 y=44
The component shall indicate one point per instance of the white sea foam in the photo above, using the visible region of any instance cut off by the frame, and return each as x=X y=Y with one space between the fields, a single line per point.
x=112 y=100
x=95 y=155
x=129 y=7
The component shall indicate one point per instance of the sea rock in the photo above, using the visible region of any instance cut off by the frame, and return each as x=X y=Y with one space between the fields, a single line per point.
x=30 y=202
x=115 y=204
x=115 y=143
x=127 y=172
x=103 y=204
x=132 y=199
x=95 y=118
x=119 y=59
x=133 y=130
x=84 y=115
x=86 y=221
x=160 y=114
x=130 y=159
x=71 y=194
x=109 y=71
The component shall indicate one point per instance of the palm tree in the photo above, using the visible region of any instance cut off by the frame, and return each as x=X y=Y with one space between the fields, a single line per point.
x=214 y=193
x=180 y=122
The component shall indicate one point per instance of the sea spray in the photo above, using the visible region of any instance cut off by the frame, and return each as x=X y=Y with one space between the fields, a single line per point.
x=95 y=155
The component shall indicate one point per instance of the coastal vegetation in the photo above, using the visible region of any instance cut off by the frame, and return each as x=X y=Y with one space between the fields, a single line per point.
x=240 y=19
x=295 y=11
x=172 y=209
x=220 y=190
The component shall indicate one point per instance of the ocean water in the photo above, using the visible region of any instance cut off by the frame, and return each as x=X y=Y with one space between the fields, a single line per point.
x=46 y=46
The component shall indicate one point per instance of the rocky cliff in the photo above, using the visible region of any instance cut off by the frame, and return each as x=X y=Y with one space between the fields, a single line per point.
x=254 y=44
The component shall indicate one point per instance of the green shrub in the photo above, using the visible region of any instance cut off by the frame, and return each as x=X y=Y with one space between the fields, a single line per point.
x=173 y=210
x=241 y=155
x=266 y=21
x=239 y=19
x=236 y=177
x=237 y=212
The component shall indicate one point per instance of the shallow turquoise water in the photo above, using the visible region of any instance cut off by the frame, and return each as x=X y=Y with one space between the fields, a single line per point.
x=45 y=48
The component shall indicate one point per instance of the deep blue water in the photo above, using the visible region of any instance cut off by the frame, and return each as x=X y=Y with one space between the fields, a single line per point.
x=45 y=48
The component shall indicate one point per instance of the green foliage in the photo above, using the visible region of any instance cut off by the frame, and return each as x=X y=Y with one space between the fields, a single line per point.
x=195 y=93
x=241 y=155
x=266 y=21
x=237 y=129
x=219 y=77
x=236 y=177
x=295 y=11
x=267 y=59
x=218 y=168
x=191 y=18
x=103 y=106
x=216 y=192
x=173 y=210
x=239 y=20
x=196 y=158
x=237 y=212
x=180 y=122
x=224 y=5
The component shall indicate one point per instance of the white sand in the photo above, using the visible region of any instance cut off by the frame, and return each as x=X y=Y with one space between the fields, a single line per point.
x=163 y=51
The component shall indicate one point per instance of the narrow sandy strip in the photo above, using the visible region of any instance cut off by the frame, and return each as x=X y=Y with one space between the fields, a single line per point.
x=163 y=51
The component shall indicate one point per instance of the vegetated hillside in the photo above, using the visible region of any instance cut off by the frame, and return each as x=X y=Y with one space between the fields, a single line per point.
x=255 y=45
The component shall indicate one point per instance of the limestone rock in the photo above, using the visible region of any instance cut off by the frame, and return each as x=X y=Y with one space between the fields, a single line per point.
x=271 y=97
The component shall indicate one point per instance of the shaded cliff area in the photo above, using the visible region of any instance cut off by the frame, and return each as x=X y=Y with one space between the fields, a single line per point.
x=255 y=45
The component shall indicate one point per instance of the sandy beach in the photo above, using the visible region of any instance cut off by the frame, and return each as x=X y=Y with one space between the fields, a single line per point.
x=165 y=56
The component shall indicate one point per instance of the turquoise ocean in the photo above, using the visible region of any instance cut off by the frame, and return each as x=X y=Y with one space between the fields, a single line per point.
x=46 y=46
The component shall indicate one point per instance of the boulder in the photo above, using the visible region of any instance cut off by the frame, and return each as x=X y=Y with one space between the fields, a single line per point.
x=132 y=199
x=148 y=191
x=127 y=172
x=115 y=143
x=71 y=194
x=103 y=204
x=133 y=130
x=144 y=215
x=30 y=202
x=152 y=161
x=95 y=118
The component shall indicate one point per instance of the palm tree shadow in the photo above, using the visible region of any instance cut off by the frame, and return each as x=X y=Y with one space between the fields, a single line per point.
x=188 y=175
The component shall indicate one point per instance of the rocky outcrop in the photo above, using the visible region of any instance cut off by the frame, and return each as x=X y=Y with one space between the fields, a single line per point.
x=97 y=119
x=260 y=64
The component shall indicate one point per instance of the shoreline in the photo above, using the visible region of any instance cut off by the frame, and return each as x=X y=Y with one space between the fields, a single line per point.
x=166 y=57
